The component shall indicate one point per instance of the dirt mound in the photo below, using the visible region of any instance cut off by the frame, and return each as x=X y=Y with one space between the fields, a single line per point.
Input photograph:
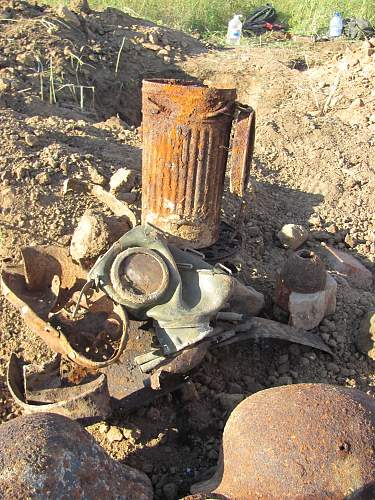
x=91 y=61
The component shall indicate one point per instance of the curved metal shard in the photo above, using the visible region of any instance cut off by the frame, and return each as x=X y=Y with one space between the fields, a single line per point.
x=85 y=401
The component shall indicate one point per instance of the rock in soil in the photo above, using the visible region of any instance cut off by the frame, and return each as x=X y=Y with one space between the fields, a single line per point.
x=365 y=340
x=307 y=310
x=350 y=267
x=293 y=236
x=94 y=235
x=114 y=434
x=122 y=181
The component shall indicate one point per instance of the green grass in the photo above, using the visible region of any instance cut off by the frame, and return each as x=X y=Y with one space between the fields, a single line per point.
x=209 y=16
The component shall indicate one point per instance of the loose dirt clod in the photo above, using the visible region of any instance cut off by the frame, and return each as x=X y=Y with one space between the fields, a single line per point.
x=94 y=235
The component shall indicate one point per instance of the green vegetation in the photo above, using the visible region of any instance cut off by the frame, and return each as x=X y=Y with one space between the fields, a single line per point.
x=210 y=16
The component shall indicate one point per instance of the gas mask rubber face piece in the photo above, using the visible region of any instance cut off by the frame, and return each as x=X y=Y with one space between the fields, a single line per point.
x=176 y=288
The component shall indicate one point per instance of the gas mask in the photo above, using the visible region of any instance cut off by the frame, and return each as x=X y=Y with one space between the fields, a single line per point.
x=175 y=287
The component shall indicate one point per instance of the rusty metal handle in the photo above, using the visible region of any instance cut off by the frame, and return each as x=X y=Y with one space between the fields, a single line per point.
x=242 y=149
x=225 y=110
x=155 y=107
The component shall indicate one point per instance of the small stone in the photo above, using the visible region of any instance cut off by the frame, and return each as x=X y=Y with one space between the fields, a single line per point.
x=94 y=234
x=283 y=369
x=350 y=241
x=4 y=86
x=154 y=38
x=96 y=176
x=234 y=388
x=103 y=428
x=31 y=140
x=356 y=273
x=365 y=340
x=79 y=6
x=163 y=52
x=251 y=384
x=147 y=468
x=170 y=491
x=315 y=220
x=42 y=178
x=295 y=350
x=307 y=310
x=21 y=172
x=131 y=434
x=69 y=16
x=325 y=337
x=114 y=434
x=189 y=392
x=321 y=235
x=293 y=236
x=285 y=380
x=230 y=401
x=283 y=359
x=332 y=367
x=122 y=181
x=151 y=46
x=212 y=454
x=357 y=103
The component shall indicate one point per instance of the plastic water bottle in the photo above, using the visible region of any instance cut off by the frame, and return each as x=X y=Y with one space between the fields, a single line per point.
x=336 y=25
x=234 y=30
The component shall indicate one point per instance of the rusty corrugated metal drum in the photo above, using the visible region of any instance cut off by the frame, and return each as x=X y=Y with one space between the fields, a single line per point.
x=186 y=132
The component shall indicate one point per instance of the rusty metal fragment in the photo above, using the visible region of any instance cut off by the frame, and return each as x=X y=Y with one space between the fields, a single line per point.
x=297 y=441
x=261 y=328
x=242 y=150
x=50 y=456
x=29 y=288
x=304 y=272
x=89 y=400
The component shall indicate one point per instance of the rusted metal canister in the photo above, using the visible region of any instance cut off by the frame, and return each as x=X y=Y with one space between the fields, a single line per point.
x=186 y=132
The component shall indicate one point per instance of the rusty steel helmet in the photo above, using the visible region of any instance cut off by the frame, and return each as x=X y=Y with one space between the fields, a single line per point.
x=298 y=441
x=50 y=456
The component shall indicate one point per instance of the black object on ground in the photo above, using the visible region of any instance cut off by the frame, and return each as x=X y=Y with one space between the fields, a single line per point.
x=261 y=20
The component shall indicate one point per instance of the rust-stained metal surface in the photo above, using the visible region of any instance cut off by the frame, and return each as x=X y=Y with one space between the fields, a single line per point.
x=50 y=456
x=303 y=272
x=299 y=441
x=29 y=287
x=89 y=400
x=261 y=328
x=186 y=131
x=242 y=150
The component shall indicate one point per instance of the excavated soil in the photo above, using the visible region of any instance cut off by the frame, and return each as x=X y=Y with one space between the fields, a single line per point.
x=70 y=107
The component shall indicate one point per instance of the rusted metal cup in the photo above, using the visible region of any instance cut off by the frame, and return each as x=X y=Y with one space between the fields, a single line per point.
x=186 y=132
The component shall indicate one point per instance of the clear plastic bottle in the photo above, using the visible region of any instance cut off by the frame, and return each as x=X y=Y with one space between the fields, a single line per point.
x=234 y=30
x=336 y=25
